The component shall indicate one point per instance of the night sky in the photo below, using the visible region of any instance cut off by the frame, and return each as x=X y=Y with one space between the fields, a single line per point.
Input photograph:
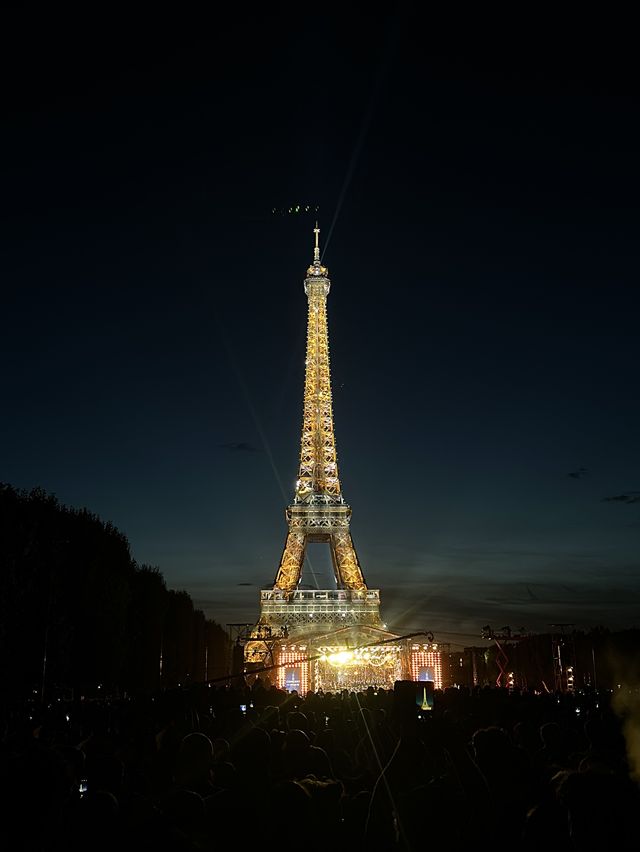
x=478 y=195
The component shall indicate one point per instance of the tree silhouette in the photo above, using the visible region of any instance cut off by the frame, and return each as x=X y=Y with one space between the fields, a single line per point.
x=76 y=611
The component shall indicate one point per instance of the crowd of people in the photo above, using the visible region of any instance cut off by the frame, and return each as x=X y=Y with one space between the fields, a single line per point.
x=191 y=768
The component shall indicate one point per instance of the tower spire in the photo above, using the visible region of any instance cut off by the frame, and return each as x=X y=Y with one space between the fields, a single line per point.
x=316 y=270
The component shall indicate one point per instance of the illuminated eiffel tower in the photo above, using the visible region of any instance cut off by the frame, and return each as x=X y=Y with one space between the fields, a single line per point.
x=318 y=512
x=348 y=614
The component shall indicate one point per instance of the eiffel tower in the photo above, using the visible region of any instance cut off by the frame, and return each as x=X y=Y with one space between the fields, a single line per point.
x=318 y=512
x=348 y=614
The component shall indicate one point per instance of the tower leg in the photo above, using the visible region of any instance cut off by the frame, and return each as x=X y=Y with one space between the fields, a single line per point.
x=345 y=560
x=290 y=569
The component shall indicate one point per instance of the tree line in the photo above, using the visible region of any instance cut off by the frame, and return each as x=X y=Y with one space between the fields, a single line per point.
x=78 y=613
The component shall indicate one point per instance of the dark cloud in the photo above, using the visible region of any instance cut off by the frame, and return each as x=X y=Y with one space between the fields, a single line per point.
x=244 y=584
x=629 y=497
x=579 y=473
x=241 y=447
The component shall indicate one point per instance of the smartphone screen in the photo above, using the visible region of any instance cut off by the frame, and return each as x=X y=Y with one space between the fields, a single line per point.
x=424 y=695
x=414 y=696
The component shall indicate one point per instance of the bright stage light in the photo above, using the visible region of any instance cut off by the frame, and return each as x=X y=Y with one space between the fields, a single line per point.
x=342 y=658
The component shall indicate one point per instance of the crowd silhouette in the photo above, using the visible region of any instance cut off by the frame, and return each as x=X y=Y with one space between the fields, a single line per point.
x=185 y=769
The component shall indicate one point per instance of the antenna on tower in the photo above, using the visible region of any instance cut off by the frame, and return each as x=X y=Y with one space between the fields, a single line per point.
x=316 y=250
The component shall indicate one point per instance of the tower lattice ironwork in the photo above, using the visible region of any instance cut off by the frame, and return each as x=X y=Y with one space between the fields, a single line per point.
x=318 y=512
